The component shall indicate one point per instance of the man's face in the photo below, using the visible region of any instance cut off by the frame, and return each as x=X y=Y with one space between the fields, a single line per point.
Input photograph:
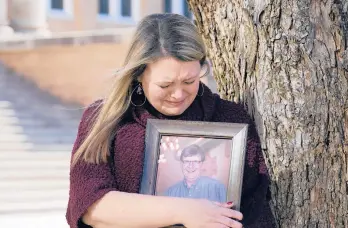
x=191 y=167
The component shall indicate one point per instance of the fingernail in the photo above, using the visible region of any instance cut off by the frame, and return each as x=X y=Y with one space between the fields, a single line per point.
x=230 y=203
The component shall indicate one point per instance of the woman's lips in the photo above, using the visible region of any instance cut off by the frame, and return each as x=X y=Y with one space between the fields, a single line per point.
x=175 y=103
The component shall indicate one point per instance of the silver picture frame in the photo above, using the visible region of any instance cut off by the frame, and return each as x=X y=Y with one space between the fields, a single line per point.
x=236 y=132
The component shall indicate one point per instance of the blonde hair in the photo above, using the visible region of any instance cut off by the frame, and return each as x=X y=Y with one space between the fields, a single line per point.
x=156 y=36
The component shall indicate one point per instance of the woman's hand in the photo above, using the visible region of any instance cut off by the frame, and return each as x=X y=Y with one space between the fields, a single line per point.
x=204 y=213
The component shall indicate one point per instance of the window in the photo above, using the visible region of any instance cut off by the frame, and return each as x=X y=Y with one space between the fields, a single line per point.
x=57 y=4
x=126 y=8
x=187 y=11
x=177 y=6
x=104 y=7
x=167 y=6
x=62 y=9
x=119 y=11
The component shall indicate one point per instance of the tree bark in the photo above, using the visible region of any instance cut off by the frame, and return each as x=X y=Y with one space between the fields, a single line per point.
x=287 y=61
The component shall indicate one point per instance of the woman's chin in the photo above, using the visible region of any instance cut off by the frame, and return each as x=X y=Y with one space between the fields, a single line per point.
x=173 y=111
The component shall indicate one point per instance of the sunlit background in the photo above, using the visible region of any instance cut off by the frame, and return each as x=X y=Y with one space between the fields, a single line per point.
x=56 y=57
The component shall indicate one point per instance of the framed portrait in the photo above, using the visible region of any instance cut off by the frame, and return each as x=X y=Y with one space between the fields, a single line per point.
x=194 y=160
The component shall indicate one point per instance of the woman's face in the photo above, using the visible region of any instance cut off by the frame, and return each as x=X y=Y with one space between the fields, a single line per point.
x=171 y=85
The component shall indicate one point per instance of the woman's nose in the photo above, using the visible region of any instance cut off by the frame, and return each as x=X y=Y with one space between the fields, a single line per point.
x=178 y=94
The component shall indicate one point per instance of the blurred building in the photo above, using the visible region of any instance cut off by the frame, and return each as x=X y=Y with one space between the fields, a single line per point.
x=41 y=16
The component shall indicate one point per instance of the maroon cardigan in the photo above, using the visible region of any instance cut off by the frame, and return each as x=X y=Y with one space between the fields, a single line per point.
x=90 y=182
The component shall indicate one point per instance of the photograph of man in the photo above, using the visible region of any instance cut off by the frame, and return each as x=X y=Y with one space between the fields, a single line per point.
x=194 y=185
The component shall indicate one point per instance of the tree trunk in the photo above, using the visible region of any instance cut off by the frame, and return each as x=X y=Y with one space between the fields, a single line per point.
x=287 y=61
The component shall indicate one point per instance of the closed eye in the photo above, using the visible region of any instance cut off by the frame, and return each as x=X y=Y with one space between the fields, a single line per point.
x=164 y=86
x=190 y=82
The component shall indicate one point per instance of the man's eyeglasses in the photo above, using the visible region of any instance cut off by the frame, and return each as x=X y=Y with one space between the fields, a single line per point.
x=191 y=162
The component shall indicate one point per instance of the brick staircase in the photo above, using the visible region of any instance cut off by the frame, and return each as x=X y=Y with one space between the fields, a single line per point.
x=36 y=136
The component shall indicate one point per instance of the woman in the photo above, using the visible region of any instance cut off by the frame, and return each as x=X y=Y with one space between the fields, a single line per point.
x=160 y=79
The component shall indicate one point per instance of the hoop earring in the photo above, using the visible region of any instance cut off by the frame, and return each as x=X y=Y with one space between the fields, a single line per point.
x=202 y=90
x=139 y=92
